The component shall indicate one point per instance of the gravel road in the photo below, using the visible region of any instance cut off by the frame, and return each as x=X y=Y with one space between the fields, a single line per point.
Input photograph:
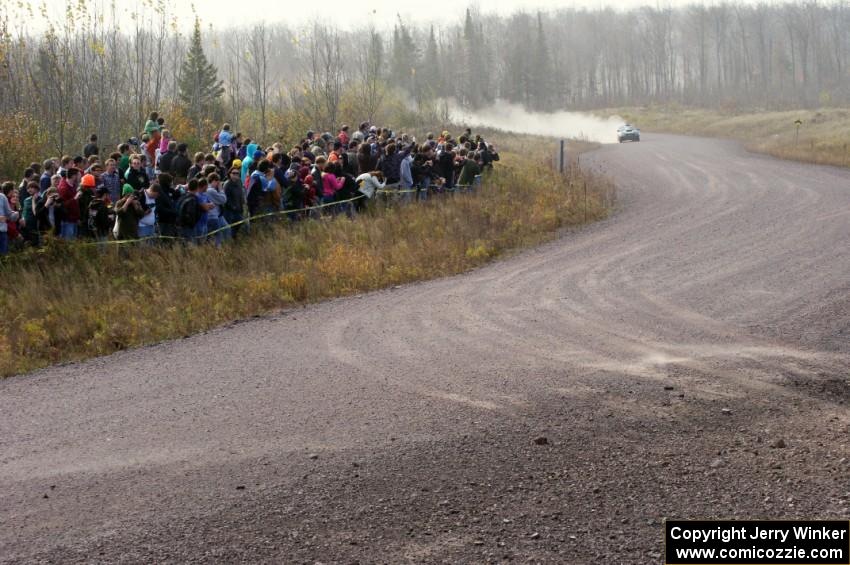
x=686 y=358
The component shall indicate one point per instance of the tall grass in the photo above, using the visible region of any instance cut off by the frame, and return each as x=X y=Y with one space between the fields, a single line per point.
x=824 y=136
x=70 y=302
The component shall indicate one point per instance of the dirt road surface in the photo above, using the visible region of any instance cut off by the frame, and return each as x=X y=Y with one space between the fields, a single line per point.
x=686 y=358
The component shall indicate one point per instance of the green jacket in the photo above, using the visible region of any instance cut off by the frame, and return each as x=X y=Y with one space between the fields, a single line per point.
x=123 y=165
x=468 y=173
x=29 y=215
x=151 y=126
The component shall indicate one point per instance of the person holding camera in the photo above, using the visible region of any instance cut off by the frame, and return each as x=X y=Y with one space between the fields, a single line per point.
x=128 y=212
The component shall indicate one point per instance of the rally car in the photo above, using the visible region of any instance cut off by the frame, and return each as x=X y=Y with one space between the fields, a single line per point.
x=628 y=133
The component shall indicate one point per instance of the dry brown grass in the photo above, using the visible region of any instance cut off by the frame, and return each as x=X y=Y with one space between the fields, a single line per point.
x=73 y=302
x=824 y=136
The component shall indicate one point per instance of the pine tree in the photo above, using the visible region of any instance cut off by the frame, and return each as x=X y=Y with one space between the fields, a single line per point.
x=431 y=79
x=541 y=70
x=405 y=58
x=475 y=88
x=200 y=91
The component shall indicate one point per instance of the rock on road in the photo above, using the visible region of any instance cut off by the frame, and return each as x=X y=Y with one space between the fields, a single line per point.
x=662 y=353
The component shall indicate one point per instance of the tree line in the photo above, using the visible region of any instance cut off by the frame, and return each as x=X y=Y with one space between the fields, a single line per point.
x=95 y=70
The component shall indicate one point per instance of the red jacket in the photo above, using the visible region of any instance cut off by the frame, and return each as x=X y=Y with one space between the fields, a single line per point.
x=68 y=195
x=12 y=230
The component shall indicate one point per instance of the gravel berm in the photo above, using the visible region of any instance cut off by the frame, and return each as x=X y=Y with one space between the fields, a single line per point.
x=686 y=358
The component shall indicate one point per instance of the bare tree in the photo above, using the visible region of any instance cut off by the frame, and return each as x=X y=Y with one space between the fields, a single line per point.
x=371 y=60
x=257 y=59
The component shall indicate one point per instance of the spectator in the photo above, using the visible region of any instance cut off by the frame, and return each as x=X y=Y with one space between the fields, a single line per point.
x=111 y=180
x=445 y=165
x=164 y=142
x=166 y=206
x=390 y=164
x=85 y=194
x=469 y=171
x=65 y=163
x=91 y=148
x=148 y=199
x=29 y=218
x=128 y=212
x=79 y=163
x=152 y=126
x=49 y=170
x=258 y=184
x=331 y=182
x=293 y=196
x=69 y=226
x=7 y=214
x=206 y=206
x=225 y=140
x=368 y=184
x=181 y=164
x=100 y=215
x=124 y=161
x=253 y=153
x=365 y=161
x=49 y=209
x=189 y=212
x=234 y=207
x=215 y=217
x=406 y=182
x=136 y=176
x=343 y=136
x=166 y=159
x=29 y=175
x=197 y=166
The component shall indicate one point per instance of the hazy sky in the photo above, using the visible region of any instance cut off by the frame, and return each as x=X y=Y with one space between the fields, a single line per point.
x=354 y=13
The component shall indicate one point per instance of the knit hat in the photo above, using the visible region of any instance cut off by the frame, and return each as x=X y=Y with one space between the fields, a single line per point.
x=259 y=155
x=237 y=163
x=127 y=190
x=88 y=181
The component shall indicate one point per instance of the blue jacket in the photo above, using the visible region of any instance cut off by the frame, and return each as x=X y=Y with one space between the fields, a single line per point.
x=248 y=160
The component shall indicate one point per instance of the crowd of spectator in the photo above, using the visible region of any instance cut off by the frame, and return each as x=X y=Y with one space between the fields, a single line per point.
x=151 y=188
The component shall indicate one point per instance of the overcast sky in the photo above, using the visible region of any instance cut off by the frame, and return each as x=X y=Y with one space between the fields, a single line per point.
x=355 y=13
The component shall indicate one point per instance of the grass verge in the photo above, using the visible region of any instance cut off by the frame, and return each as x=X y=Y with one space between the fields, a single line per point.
x=68 y=303
x=824 y=136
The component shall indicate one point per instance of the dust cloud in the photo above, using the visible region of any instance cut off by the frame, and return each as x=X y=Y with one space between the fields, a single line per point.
x=513 y=117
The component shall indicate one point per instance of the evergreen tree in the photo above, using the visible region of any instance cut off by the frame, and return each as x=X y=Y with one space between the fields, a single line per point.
x=404 y=59
x=517 y=83
x=541 y=70
x=200 y=91
x=475 y=87
x=431 y=79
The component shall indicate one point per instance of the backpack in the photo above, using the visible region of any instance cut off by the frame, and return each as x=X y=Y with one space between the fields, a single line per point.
x=188 y=210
